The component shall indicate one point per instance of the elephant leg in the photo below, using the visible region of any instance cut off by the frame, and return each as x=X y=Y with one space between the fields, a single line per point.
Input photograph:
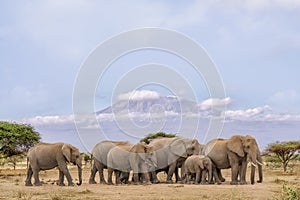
x=172 y=168
x=188 y=178
x=29 y=175
x=177 y=178
x=242 y=172
x=93 y=174
x=216 y=175
x=203 y=177
x=124 y=177
x=183 y=175
x=63 y=167
x=118 y=177
x=100 y=168
x=154 y=177
x=37 y=181
x=221 y=178
x=61 y=178
x=109 y=178
x=234 y=174
x=136 y=178
x=197 y=179
x=146 y=178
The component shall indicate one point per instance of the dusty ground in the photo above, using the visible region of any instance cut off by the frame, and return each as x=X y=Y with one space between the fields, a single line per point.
x=12 y=187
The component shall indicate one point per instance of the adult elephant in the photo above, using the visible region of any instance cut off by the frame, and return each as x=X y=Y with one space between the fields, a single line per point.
x=140 y=158
x=46 y=156
x=99 y=154
x=234 y=153
x=172 y=152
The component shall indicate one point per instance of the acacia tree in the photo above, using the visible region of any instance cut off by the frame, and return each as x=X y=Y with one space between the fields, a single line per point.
x=284 y=151
x=16 y=139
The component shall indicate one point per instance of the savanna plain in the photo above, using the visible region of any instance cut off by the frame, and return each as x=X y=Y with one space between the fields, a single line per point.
x=276 y=185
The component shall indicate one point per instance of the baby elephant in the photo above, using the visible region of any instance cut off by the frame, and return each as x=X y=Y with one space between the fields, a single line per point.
x=198 y=164
x=46 y=156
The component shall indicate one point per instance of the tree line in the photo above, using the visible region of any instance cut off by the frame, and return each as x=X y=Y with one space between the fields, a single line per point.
x=16 y=139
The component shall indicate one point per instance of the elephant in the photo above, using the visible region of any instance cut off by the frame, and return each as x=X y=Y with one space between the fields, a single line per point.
x=234 y=153
x=45 y=156
x=172 y=152
x=199 y=165
x=140 y=158
x=99 y=154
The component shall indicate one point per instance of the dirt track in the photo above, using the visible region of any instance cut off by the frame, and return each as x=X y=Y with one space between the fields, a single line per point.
x=12 y=187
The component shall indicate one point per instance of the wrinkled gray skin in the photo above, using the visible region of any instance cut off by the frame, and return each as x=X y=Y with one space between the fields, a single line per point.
x=99 y=154
x=139 y=158
x=172 y=152
x=234 y=153
x=46 y=156
x=199 y=165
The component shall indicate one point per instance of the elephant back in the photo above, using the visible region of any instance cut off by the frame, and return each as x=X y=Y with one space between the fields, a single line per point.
x=101 y=150
x=118 y=157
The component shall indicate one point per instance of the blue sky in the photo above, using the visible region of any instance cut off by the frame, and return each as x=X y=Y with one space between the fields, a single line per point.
x=254 y=43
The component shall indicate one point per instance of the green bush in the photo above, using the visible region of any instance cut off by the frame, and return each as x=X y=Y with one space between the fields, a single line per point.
x=273 y=159
x=289 y=193
x=152 y=136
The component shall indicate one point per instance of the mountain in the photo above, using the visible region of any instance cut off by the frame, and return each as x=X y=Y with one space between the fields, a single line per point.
x=155 y=105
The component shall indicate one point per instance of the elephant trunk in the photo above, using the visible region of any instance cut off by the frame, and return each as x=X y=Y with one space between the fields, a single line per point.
x=210 y=175
x=253 y=158
x=259 y=162
x=79 y=175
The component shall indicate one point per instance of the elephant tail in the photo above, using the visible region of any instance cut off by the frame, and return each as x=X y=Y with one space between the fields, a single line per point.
x=27 y=162
x=91 y=162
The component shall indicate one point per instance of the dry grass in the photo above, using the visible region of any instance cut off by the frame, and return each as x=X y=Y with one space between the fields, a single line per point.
x=12 y=187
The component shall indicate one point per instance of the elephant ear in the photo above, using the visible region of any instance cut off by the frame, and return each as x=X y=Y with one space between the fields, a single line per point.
x=235 y=145
x=139 y=149
x=201 y=163
x=66 y=150
x=178 y=148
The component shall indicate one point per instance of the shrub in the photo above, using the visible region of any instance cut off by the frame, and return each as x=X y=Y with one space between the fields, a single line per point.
x=152 y=136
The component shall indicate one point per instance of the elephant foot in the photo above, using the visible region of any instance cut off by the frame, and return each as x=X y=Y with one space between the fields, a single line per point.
x=219 y=183
x=38 y=184
x=259 y=181
x=222 y=179
x=147 y=183
x=135 y=183
x=203 y=183
x=169 y=182
x=211 y=183
x=71 y=184
x=243 y=183
x=28 y=184
x=103 y=182
x=234 y=183
x=61 y=184
x=156 y=181
x=109 y=183
x=91 y=181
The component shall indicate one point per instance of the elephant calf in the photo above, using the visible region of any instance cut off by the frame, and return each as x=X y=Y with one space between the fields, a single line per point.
x=46 y=156
x=199 y=165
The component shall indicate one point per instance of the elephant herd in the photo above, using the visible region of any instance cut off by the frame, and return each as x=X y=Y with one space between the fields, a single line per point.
x=199 y=163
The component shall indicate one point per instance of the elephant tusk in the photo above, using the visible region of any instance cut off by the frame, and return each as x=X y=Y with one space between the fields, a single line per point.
x=253 y=164
x=261 y=164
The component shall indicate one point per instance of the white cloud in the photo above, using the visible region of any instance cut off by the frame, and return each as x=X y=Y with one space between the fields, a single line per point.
x=214 y=102
x=138 y=95
x=46 y=120
x=249 y=114
x=285 y=97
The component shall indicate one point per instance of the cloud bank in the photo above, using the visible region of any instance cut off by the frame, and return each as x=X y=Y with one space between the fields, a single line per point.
x=261 y=113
